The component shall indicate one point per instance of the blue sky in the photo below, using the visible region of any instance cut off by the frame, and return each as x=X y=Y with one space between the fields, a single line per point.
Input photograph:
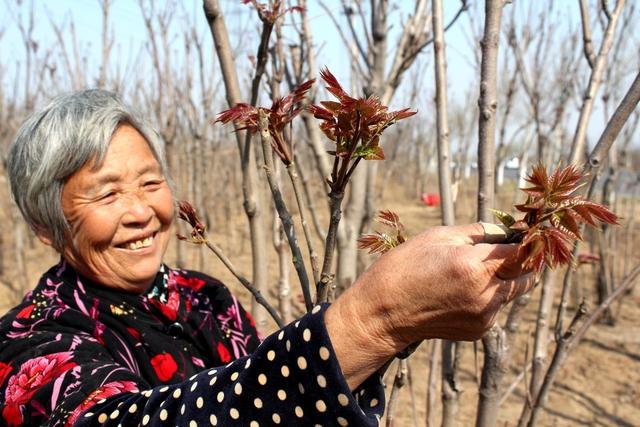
x=127 y=25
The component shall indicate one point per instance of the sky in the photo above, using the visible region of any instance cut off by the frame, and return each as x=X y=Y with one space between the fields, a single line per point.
x=129 y=29
x=127 y=25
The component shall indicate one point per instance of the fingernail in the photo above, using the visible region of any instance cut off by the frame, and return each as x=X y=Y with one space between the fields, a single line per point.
x=495 y=233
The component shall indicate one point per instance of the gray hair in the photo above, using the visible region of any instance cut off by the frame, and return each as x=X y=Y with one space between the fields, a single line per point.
x=57 y=141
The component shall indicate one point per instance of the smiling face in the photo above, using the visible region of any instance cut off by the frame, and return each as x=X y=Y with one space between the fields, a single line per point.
x=120 y=215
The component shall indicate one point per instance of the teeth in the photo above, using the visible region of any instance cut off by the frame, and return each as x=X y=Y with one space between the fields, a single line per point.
x=140 y=243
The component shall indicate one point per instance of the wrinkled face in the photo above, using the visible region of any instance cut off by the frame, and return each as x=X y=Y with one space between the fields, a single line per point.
x=120 y=215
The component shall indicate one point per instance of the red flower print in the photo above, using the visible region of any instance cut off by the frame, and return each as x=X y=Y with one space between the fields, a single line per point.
x=164 y=365
x=25 y=312
x=224 y=354
x=5 y=370
x=32 y=375
x=170 y=308
x=192 y=282
x=107 y=390
x=250 y=319
x=134 y=332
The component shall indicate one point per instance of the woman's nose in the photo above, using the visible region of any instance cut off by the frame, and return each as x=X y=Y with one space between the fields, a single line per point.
x=137 y=210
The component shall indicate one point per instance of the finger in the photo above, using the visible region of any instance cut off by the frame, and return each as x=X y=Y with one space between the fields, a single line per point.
x=468 y=234
x=514 y=288
x=504 y=260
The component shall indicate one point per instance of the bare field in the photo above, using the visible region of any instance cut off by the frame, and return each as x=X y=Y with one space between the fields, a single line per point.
x=599 y=384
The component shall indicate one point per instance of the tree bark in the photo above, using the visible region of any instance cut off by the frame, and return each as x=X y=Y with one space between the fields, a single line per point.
x=580 y=136
x=493 y=342
x=250 y=189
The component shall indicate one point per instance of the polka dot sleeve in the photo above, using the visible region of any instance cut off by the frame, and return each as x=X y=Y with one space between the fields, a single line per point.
x=292 y=379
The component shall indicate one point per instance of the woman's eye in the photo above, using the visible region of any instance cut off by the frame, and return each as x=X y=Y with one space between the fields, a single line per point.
x=107 y=196
x=153 y=184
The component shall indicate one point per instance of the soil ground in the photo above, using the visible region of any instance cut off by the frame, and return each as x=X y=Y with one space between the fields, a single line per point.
x=599 y=385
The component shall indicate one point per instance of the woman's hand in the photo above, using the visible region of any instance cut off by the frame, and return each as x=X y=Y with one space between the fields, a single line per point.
x=445 y=283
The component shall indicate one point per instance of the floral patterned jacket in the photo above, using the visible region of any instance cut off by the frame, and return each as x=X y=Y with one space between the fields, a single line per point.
x=76 y=353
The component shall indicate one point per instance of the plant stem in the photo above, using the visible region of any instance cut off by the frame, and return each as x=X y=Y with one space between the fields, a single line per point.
x=246 y=283
x=326 y=277
x=283 y=212
x=295 y=183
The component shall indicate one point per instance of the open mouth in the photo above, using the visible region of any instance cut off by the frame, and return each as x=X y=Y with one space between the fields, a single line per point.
x=138 y=244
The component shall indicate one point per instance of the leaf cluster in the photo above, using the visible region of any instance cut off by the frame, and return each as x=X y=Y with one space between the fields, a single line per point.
x=355 y=126
x=553 y=216
x=282 y=112
x=381 y=242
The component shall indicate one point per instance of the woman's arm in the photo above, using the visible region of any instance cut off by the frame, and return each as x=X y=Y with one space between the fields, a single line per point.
x=445 y=283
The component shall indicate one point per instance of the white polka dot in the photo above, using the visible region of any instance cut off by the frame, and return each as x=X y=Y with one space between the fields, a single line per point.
x=133 y=408
x=193 y=386
x=280 y=335
x=262 y=379
x=101 y=401
x=237 y=389
x=257 y=402
x=192 y=423
x=324 y=353
x=163 y=389
x=164 y=414
x=284 y=371
x=145 y=420
x=200 y=402
x=322 y=381
x=213 y=380
x=182 y=409
x=306 y=335
x=288 y=345
x=302 y=363
x=254 y=424
x=176 y=393
x=192 y=377
x=282 y=395
x=299 y=412
x=276 y=418
x=374 y=402
x=88 y=415
x=213 y=420
x=234 y=413
x=297 y=324
x=343 y=399
x=162 y=403
x=234 y=376
x=342 y=422
x=114 y=414
x=301 y=388
x=220 y=396
x=321 y=406
x=211 y=372
x=246 y=365
x=146 y=393
x=316 y=309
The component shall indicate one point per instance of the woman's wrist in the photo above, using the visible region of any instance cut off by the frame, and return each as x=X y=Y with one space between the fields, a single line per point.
x=361 y=337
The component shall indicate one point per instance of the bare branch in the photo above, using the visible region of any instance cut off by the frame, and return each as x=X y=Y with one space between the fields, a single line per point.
x=283 y=212
x=615 y=125
x=579 y=139
x=586 y=33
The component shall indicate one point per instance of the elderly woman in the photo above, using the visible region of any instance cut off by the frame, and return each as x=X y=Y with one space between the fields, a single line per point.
x=112 y=336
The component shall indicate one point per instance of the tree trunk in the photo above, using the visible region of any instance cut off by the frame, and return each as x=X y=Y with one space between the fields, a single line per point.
x=493 y=342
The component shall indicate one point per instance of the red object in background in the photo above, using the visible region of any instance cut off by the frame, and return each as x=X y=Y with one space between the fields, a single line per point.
x=431 y=199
